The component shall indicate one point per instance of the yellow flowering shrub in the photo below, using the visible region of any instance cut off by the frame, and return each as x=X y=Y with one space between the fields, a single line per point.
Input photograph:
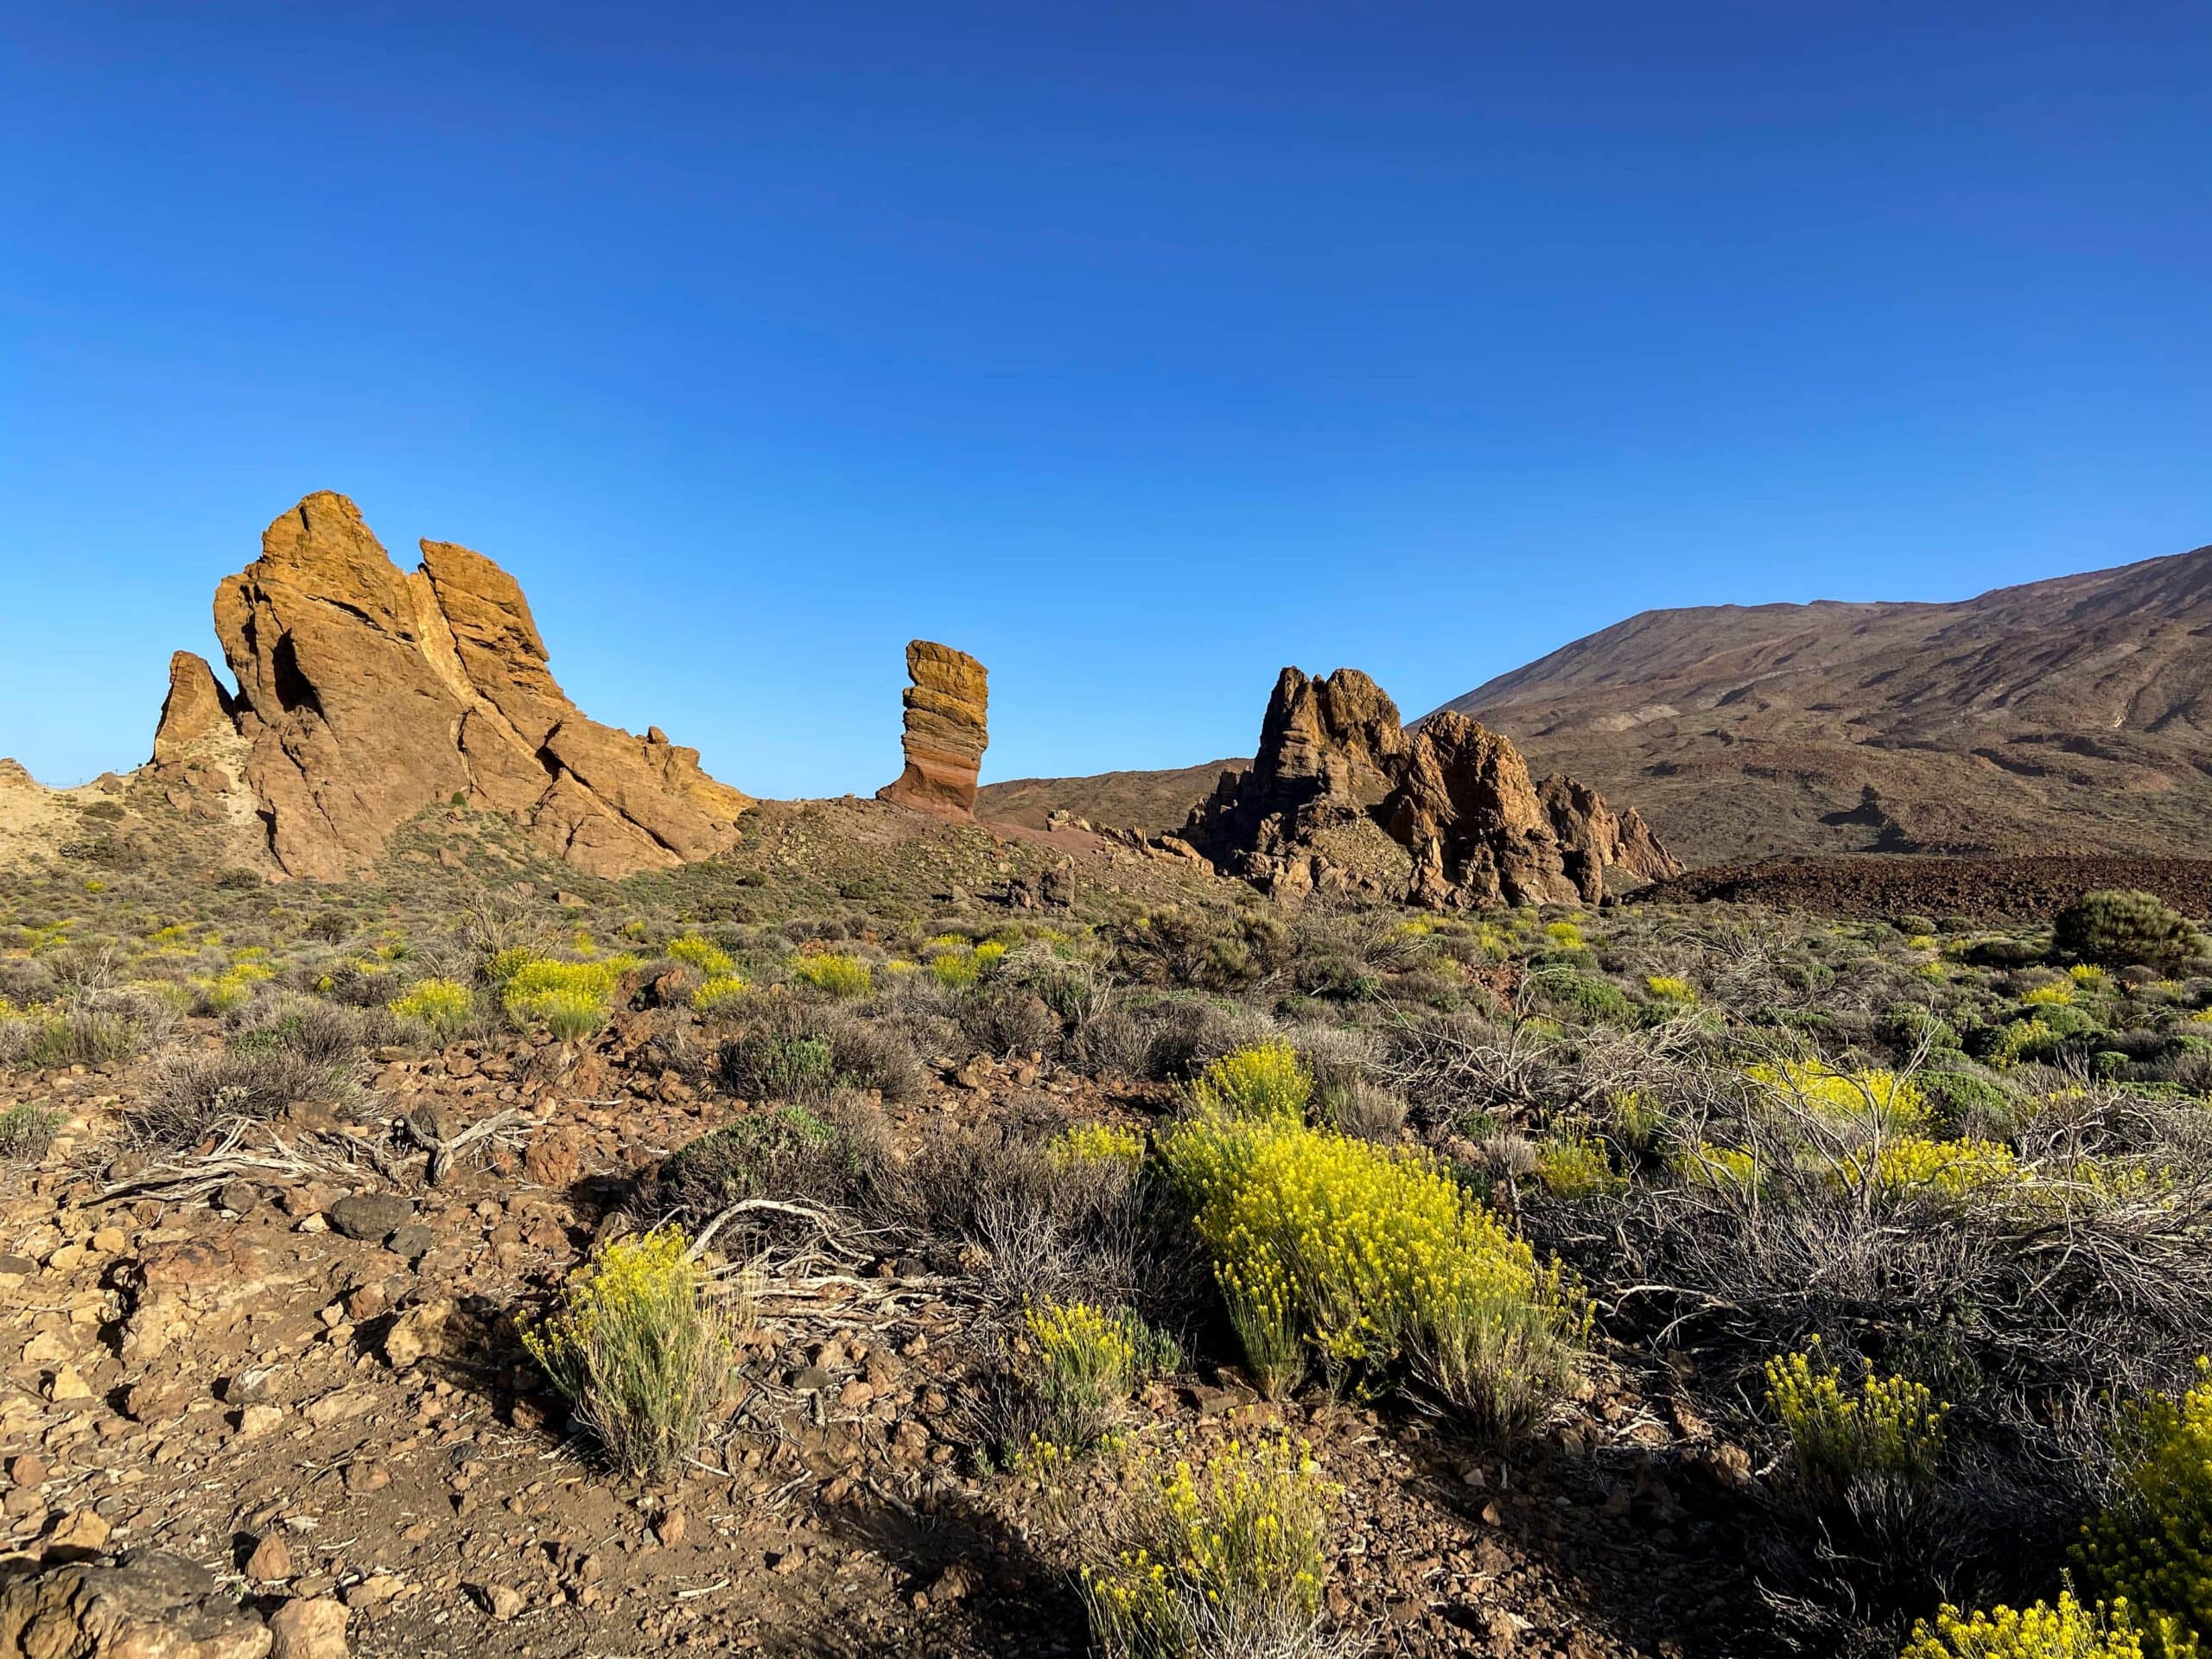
x=1883 y=1098
x=720 y=992
x=1668 y=987
x=233 y=986
x=1577 y=1167
x=2153 y=1545
x=2065 y=1631
x=960 y=967
x=640 y=1341
x=569 y=999
x=1261 y=1080
x=1363 y=1253
x=705 y=955
x=446 y=1006
x=1886 y=1425
x=1230 y=1555
x=2023 y=1040
x=2058 y=996
x=1080 y=1363
x=1564 y=936
x=2086 y=973
x=1953 y=1167
x=1707 y=1165
x=1095 y=1145
x=838 y=974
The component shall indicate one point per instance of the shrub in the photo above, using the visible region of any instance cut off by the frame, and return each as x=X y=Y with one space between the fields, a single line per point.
x=189 y=1094
x=1225 y=1560
x=2066 y=1630
x=705 y=955
x=1581 y=997
x=2153 y=1545
x=569 y=999
x=1881 y=1098
x=1886 y=1426
x=639 y=1342
x=1669 y=987
x=1363 y=1254
x=2115 y=927
x=446 y=1006
x=1264 y=1080
x=720 y=994
x=27 y=1130
x=1954 y=1167
x=1097 y=1146
x=840 y=976
x=1577 y=1167
x=95 y=1029
x=1079 y=1365
x=789 y=1154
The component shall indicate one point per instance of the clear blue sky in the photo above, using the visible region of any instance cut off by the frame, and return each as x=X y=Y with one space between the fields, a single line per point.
x=1138 y=349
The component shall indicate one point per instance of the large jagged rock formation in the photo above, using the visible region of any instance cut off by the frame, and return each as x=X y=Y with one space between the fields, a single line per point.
x=946 y=731
x=1340 y=797
x=366 y=694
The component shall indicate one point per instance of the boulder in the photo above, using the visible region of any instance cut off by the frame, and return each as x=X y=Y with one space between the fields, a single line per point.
x=945 y=734
x=144 y=1603
x=366 y=694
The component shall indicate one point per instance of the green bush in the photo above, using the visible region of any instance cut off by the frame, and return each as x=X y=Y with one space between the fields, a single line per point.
x=445 y=1005
x=2116 y=927
x=27 y=1130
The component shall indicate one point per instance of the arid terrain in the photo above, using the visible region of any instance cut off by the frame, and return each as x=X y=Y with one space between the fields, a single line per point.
x=471 y=1183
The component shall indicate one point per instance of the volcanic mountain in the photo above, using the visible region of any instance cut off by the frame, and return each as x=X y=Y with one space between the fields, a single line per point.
x=2065 y=715
x=2071 y=715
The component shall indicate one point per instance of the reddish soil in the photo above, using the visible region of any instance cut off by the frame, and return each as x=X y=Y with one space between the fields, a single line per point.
x=1987 y=889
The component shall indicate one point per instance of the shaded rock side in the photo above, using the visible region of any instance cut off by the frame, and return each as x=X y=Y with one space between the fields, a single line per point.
x=367 y=694
x=946 y=731
x=1341 y=798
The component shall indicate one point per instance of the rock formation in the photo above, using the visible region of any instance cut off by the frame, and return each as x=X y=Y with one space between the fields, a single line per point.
x=945 y=734
x=196 y=705
x=14 y=774
x=1340 y=794
x=366 y=694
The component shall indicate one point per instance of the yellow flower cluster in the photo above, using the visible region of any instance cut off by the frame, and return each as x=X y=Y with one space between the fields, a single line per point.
x=1889 y=1100
x=958 y=968
x=1578 y=1167
x=1358 y=1250
x=2066 y=1630
x=1954 y=1167
x=232 y=987
x=639 y=1341
x=1097 y=1144
x=838 y=974
x=705 y=955
x=2154 y=1546
x=1669 y=987
x=444 y=1005
x=569 y=999
x=1238 y=1542
x=2060 y=995
x=1886 y=1425
x=1262 y=1080
x=718 y=993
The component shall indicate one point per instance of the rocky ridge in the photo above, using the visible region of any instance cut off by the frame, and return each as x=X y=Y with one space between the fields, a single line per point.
x=1341 y=797
x=366 y=694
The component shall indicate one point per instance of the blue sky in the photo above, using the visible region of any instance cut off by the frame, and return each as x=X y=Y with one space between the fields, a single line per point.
x=1140 y=350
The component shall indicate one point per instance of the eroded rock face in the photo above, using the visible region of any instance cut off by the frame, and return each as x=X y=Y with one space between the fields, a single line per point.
x=14 y=774
x=144 y=1603
x=196 y=706
x=367 y=694
x=946 y=731
x=1341 y=798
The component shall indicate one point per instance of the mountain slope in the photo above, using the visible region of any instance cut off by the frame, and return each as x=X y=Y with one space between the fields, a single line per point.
x=2071 y=715
x=1154 y=802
